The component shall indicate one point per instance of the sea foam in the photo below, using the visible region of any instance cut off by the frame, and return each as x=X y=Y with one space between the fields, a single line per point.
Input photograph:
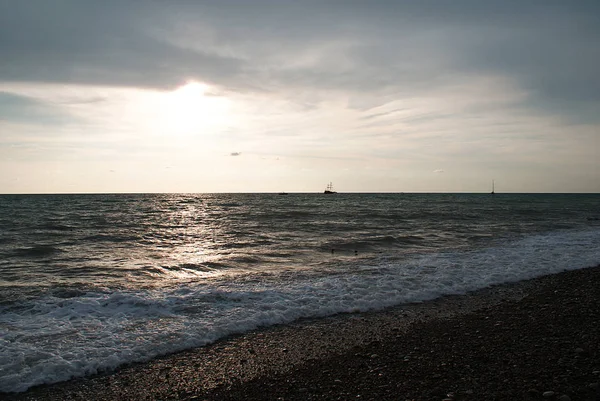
x=51 y=339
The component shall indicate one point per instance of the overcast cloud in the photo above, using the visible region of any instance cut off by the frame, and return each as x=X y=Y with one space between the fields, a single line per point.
x=397 y=85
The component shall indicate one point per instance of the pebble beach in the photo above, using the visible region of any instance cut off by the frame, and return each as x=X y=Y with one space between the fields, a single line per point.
x=531 y=340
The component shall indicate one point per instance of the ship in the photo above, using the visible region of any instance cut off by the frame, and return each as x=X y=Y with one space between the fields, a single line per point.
x=329 y=189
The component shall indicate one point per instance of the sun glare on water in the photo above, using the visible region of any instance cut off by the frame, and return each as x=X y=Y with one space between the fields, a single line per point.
x=192 y=110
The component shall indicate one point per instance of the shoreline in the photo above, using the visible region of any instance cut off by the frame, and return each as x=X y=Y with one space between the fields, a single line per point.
x=512 y=341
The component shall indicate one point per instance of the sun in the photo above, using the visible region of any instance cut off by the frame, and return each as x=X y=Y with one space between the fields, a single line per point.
x=193 y=109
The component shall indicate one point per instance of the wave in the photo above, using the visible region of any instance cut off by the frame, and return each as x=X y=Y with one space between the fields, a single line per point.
x=69 y=334
x=246 y=259
x=111 y=238
x=197 y=267
x=229 y=204
x=182 y=271
x=36 y=251
x=373 y=242
x=287 y=215
x=56 y=227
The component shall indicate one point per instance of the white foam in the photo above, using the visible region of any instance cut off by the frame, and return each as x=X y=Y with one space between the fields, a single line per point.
x=53 y=339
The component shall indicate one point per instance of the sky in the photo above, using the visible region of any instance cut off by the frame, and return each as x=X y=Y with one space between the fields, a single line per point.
x=280 y=95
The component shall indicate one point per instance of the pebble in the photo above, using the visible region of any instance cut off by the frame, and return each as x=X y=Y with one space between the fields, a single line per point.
x=564 y=397
x=548 y=394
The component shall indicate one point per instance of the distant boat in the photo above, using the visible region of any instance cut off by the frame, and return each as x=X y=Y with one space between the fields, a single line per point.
x=492 y=188
x=283 y=193
x=329 y=189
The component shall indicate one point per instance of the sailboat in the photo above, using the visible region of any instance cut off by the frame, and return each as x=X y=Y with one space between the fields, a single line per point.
x=492 y=187
x=329 y=189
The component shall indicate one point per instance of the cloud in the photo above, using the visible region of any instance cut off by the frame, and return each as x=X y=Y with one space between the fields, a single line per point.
x=24 y=109
x=109 y=44
x=393 y=86
x=438 y=171
x=386 y=48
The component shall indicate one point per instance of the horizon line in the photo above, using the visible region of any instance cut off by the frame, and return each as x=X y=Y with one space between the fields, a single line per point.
x=298 y=193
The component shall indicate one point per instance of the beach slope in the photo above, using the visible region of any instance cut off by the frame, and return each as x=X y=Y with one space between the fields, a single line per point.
x=532 y=340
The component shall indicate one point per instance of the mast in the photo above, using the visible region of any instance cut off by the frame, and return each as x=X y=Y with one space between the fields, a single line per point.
x=493 y=187
x=329 y=189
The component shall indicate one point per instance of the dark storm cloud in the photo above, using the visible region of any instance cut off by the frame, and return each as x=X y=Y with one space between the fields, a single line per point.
x=381 y=47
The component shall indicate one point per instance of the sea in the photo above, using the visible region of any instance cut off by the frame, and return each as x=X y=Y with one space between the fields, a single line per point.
x=91 y=282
